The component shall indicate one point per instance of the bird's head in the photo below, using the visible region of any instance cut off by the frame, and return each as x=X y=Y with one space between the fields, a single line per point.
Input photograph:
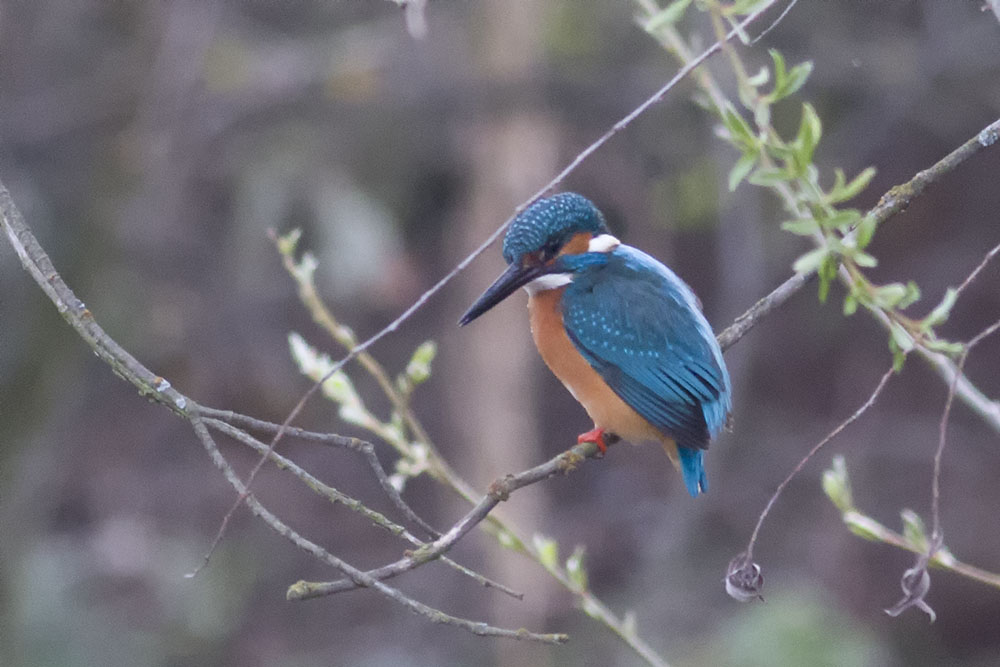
x=537 y=243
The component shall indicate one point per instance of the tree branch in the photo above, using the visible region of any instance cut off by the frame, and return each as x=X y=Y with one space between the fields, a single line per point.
x=499 y=491
x=356 y=575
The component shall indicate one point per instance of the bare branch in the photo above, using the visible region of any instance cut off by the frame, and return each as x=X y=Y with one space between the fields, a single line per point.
x=356 y=575
x=742 y=324
x=499 y=491
x=366 y=449
x=338 y=497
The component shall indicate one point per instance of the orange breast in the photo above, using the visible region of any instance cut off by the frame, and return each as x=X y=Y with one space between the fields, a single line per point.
x=603 y=405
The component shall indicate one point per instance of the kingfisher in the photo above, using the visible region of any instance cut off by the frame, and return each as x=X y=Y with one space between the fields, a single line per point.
x=619 y=329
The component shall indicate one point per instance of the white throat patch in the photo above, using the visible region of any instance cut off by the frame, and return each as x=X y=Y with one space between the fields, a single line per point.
x=547 y=282
x=603 y=243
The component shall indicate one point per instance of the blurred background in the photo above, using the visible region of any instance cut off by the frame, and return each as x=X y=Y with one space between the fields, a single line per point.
x=151 y=145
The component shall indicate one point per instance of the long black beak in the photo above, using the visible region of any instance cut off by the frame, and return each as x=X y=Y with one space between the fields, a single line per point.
x=515 y=276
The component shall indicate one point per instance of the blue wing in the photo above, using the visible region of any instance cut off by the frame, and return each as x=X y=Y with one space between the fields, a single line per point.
x=640 y=327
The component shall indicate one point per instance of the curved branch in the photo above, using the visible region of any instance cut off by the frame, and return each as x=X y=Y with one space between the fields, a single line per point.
x=499 y=491
x=359 y=576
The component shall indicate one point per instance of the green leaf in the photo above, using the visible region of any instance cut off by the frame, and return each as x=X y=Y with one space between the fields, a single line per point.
x=796 y=78
x=769 y=176
x=810 y=131
x=843 y=220
x=740 y=170
x=288 y=242
x=948 y=347
x=865 y=231
x=419 y=367
x=810 y=261
x=897 y=295
x=850 y=304
x=901 y=337
x=779 y=150
x=743 y=7
x=913 y=529
x=837 y=486
x=863 y=526
x=941 y=311
x=827 y=272
x=575 y=570
x=887 y=296
x=509 y=540
x=669 y=15
x=740 y=132
x=762 y=113
x=842 y=191
x=863 y=259
x=780 y=71
x=787 y=82
x=548 y=551
x=801 y=227
x=912 y=295
x=760 y=78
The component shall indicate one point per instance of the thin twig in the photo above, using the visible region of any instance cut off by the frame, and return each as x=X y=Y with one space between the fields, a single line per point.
x=499 y=491
x=936 y=531
x=359 y=576
x=819 y=445
x=366 y=449
x=764 y=307
x=774 y=24
x=976 y=271
x=339 y=497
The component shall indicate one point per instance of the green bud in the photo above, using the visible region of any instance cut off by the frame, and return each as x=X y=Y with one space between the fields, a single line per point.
x=548 y=551
x=419 y=367
x=574 y=568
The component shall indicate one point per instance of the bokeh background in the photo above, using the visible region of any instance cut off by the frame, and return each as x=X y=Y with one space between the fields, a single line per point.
x=151 y=145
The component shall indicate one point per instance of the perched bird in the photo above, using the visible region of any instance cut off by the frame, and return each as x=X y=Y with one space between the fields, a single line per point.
x=621 y=331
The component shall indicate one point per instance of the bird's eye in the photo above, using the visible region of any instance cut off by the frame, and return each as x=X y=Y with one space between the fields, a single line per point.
x=549 y=250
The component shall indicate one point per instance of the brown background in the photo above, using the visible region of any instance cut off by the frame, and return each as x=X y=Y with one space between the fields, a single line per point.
x=152 y=144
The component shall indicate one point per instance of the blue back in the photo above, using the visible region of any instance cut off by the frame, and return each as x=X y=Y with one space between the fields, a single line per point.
x=640 y=327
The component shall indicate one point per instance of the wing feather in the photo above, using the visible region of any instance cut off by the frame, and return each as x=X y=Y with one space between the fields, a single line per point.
x=640 y=328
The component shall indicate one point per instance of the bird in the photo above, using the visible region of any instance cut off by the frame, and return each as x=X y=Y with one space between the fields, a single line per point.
x=622 y=332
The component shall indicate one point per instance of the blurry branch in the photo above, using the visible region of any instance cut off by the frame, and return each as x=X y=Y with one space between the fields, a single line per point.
x=355 y=574
x=764 y=307
x=37 y=263
x=498 y=491
x=303 y=271
x=332 y=494
x=837 y=487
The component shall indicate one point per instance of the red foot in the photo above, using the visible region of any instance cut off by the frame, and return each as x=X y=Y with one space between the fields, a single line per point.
x=595 y=435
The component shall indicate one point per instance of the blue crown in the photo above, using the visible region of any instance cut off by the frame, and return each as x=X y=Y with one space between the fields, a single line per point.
x=551 y=220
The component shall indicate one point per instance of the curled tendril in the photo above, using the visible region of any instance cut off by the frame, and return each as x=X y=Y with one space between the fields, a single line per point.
x=743 y=579
x=916 y=582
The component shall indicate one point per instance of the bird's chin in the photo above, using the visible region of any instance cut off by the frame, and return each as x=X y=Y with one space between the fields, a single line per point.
x=547 y=282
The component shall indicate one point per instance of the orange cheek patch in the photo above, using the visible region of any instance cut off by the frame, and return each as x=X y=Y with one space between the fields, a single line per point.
x=578 y=244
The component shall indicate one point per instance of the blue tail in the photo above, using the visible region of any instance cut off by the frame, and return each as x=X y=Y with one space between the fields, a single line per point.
x=693 y=470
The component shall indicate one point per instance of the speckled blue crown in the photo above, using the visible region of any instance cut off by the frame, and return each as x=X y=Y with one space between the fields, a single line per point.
x=553 y=218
